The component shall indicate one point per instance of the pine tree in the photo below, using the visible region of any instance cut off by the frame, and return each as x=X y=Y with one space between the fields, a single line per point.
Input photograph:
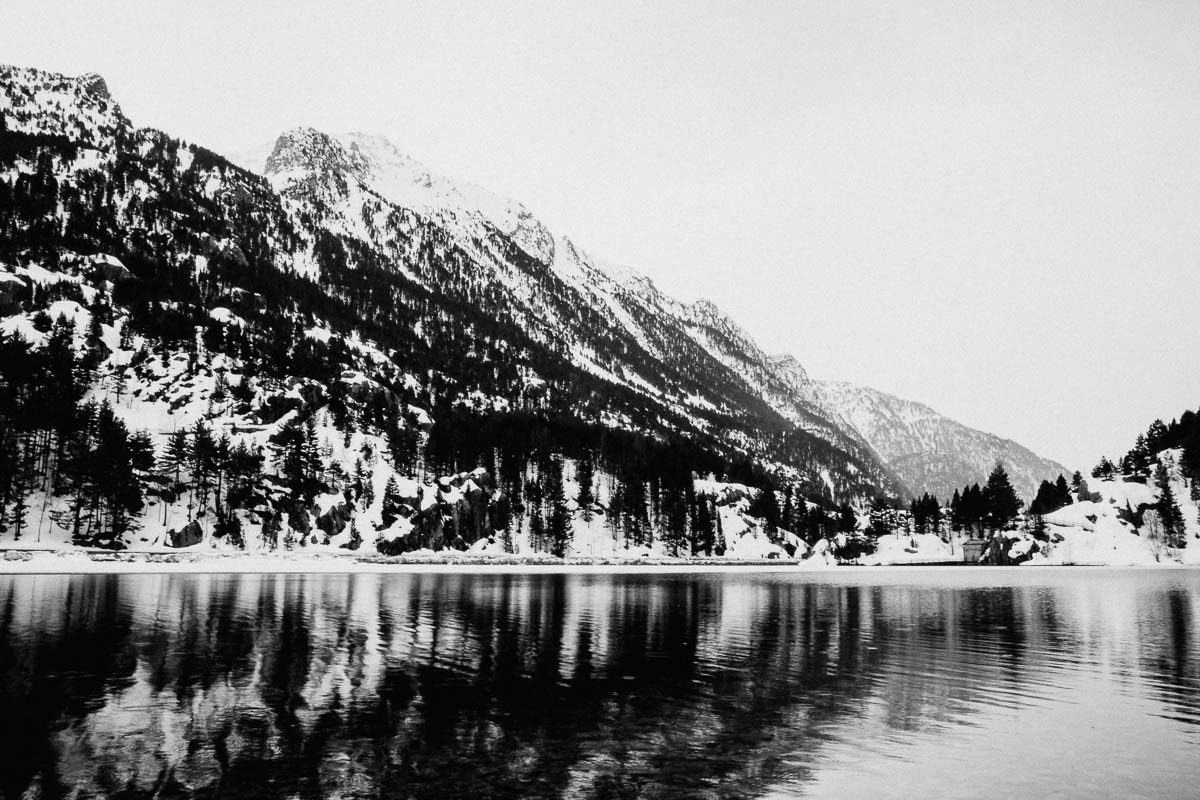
x=404 y=442
x=1137 y=460
x=847 y=519
x=934 y=513
x=704 y=532
x=20 y=484
x=222 y=458
x=675 y=531
x=956 y=512
x=1000 y=501
x=177 y=454
x=1168 y=508
x=788 y=511
x=634 y=512
x=270 y=530
x=537 y=530
x=584 y=475
x=926 y=514
x=917 y=511
x=616 y=504
x=882 y=522
x=1050 y=497
x=719 y=544
x=1063 y=490
x=973 y=510
x=816 y=524
x=1156 y=437
x=766 y=506
x=559 y=523
x=203 y=454
x=77 y=441
x=390 y=508
x=310 y=457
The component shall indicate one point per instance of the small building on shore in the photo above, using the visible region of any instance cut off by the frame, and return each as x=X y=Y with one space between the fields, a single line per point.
x=972 y=550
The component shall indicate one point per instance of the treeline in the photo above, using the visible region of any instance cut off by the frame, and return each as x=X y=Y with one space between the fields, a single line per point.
x=1182 y=433
x=52 y=442
x=55 y=444
x=990 y=508
x=974 y=510
x=1144 y=462
x=650 y=489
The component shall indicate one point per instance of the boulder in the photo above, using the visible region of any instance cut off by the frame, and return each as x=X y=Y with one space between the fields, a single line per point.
x=334 y=521
x=110 y=268
x=190 y=534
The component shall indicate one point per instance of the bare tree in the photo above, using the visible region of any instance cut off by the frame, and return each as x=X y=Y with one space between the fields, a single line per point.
x=1155 y=533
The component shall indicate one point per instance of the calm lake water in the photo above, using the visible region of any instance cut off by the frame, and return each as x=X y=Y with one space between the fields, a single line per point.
x=906 y=683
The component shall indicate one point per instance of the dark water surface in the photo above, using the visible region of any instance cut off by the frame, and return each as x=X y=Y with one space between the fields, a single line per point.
x=907 y=683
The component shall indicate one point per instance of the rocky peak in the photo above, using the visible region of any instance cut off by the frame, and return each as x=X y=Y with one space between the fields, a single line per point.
x=94 y=86
x=306 y=150
x=38 y=102
x=705 y=313
x=789 y=368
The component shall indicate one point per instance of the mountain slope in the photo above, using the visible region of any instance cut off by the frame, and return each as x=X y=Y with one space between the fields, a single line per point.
x=614 y=326
x=348 y=350
x=924 y=450
x=929 y=450
x=198 y=356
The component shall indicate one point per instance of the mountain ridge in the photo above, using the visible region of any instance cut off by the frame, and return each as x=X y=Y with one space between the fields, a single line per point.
x=457 y=358
x=783 y=376
x=929 y=449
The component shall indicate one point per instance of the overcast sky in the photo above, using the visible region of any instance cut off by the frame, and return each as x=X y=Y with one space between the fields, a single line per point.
x=993 y=208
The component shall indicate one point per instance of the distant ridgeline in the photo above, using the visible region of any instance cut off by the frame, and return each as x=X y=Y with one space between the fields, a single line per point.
x=350 y=352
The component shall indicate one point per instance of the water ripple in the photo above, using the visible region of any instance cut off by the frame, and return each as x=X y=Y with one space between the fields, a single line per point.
x=892 y=684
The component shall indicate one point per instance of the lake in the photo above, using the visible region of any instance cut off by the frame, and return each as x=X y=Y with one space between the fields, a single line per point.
x=875 y=683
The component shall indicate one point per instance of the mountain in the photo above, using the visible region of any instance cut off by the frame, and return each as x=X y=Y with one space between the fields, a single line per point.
x=612 y=321
x=925 y=450
x=351 y=351
x=928 y=450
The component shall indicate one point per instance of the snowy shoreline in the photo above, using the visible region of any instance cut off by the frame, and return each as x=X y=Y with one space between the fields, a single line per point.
x=27 y=562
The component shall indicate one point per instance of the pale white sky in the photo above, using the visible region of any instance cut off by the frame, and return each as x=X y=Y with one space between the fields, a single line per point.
x=993 y=208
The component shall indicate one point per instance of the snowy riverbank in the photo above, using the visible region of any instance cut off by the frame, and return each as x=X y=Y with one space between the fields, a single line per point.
x=46 y=561
x=67 y=562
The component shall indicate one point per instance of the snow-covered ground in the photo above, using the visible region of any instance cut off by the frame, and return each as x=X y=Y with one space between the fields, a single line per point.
x=1095 y=532
x=915 y=548
x=65 y=561
x=75 y=562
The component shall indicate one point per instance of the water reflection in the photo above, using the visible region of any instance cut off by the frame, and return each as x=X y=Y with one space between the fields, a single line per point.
x=597 y=686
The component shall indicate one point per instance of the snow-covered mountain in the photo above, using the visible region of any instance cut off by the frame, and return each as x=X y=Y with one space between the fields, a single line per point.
x=406 y=359
x=927 y=451
x=614 y=322
x=930 y=451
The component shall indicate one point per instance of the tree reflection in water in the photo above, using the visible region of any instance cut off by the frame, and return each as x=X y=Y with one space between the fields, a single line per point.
x=510 y=686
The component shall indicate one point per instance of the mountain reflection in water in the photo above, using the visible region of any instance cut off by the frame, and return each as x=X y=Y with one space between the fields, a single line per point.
x=946 y=682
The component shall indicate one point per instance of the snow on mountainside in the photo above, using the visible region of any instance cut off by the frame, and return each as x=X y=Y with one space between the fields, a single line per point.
x=653 y=319
x=929 y=450
x=926 y=451
x=639 y=336
x=410 y=184
x=345 y=350
x=198 y=357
